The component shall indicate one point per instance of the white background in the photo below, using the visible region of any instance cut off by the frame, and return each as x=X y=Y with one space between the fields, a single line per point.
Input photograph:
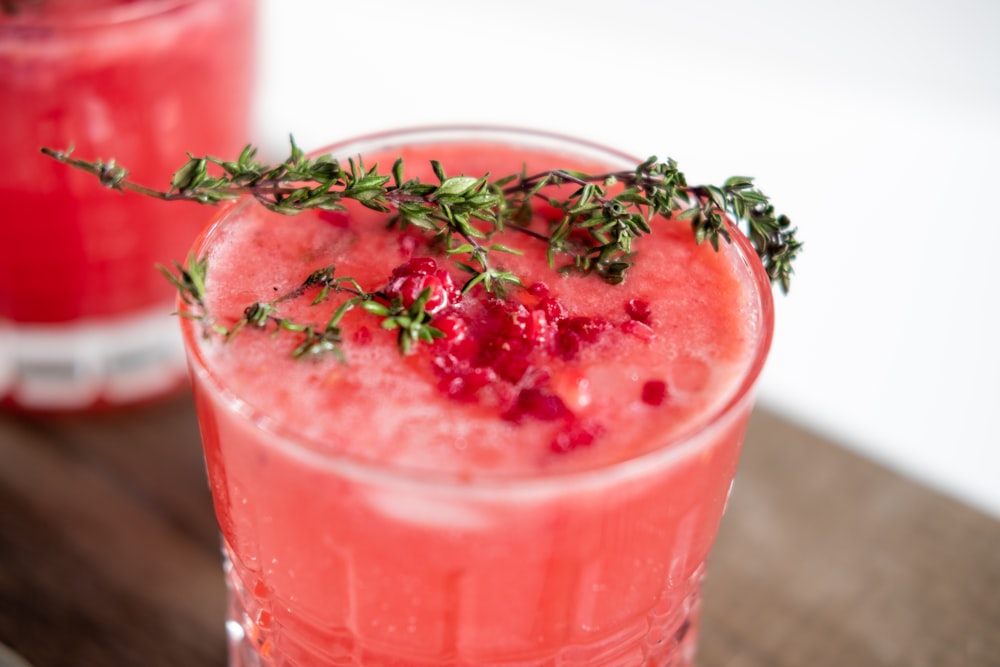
x=874 y=124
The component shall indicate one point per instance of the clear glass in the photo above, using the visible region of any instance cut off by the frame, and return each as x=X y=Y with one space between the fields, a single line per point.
x=84 y=314
x=338 y=560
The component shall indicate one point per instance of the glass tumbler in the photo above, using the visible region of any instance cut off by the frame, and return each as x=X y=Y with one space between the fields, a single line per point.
x=338 y=555
x=84 y=314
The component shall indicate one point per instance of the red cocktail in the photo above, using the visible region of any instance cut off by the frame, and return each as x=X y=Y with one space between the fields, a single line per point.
x=540 y=485
x=83 y=311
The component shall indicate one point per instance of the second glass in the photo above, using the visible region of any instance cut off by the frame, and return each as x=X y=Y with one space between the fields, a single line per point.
x=84 y=314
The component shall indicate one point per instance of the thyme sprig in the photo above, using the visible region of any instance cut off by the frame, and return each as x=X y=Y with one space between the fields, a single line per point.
x=593 y=221
x=413 y=323
x=599 y=219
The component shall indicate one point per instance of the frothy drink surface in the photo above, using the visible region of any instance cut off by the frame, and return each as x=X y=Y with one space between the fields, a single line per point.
x=569 y=373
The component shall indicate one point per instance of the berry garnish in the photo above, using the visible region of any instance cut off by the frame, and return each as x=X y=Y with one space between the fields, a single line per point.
x=577 y=332
x=578 y=433
x=537 y=403
x=411 y=279
x=654 y=392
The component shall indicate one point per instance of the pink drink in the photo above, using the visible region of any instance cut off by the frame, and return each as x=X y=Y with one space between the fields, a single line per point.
x=83 y=311
x=403 y=510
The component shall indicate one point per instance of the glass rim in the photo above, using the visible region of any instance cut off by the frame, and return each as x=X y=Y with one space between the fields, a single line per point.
x=659 y=456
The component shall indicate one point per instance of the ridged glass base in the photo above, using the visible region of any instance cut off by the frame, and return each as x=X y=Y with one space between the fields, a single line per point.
x=661 y=637
x=100 y=361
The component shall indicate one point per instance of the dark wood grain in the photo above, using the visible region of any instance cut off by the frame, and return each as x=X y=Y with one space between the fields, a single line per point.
x=109 y=553
x=108 y=550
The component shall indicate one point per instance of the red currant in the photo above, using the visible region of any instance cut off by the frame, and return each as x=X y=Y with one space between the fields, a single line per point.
x=654 y=392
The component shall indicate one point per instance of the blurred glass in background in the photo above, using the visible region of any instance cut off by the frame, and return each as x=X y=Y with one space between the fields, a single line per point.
x=84 y=314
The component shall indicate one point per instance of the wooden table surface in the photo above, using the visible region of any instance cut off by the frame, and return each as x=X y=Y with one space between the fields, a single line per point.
x=109 y=553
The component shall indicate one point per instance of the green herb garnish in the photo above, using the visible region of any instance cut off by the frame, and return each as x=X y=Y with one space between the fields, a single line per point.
x=592 y=234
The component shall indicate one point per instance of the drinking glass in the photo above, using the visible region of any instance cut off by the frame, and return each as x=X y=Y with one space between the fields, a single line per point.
x=339 y=559
x=84 y=314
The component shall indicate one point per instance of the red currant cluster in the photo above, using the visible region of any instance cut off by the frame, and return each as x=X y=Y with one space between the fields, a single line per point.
x=497 y=351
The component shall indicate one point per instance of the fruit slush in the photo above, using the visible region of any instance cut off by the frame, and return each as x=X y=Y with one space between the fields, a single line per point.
x=83 y=311
x=539 y=486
